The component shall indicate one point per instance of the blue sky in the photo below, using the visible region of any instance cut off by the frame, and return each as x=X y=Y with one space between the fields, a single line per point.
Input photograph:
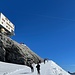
x=46 y=26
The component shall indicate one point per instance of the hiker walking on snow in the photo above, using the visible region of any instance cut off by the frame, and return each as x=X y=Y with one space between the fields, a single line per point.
x=32 y=69
x=38 y=68
x=44 y=61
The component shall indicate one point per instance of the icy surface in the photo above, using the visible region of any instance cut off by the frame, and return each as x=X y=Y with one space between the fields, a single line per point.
x=49 y=68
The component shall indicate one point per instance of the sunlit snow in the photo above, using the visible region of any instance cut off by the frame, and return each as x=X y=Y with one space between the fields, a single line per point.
x=49 y=68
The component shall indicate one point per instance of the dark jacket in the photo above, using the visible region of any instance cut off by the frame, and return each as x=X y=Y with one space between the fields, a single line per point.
x=38 y=67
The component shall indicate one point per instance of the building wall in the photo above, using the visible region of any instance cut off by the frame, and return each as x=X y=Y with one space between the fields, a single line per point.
x=5 y=23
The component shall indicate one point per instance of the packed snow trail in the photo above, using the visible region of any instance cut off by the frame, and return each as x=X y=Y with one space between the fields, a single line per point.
x=49 y=68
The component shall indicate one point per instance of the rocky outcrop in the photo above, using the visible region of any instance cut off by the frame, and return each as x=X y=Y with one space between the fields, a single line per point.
x=71 y=73
x=13 y=52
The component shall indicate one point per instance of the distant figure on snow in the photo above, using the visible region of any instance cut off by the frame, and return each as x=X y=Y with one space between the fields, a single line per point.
x=32 y=69
x=44 y=61
x=39 y=61
x=38 y=68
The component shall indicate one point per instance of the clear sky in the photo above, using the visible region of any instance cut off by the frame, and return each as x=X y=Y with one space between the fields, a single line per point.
x=46 y=26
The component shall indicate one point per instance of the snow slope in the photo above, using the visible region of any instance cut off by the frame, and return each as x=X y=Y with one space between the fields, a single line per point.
x=49 y=68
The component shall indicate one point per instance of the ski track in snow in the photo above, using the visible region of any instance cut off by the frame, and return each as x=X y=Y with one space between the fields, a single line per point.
x=49 y=68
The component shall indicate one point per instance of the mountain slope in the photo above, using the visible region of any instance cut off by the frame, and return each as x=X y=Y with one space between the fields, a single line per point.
x=14 y=52
x=50 y=68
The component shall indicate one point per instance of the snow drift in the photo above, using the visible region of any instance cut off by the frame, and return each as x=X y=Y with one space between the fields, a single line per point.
x=49 y=68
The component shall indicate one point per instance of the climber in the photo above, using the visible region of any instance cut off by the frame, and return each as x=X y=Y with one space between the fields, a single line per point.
x=38 y=68
x=32 y=69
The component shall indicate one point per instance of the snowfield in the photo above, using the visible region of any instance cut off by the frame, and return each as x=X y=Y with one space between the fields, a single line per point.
x=49 y=68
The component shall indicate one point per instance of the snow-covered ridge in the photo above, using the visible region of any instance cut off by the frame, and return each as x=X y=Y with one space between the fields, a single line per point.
x=55 y=69
x=49 y=68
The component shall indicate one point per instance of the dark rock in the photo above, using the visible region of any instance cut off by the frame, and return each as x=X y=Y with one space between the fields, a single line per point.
x=71 y=73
